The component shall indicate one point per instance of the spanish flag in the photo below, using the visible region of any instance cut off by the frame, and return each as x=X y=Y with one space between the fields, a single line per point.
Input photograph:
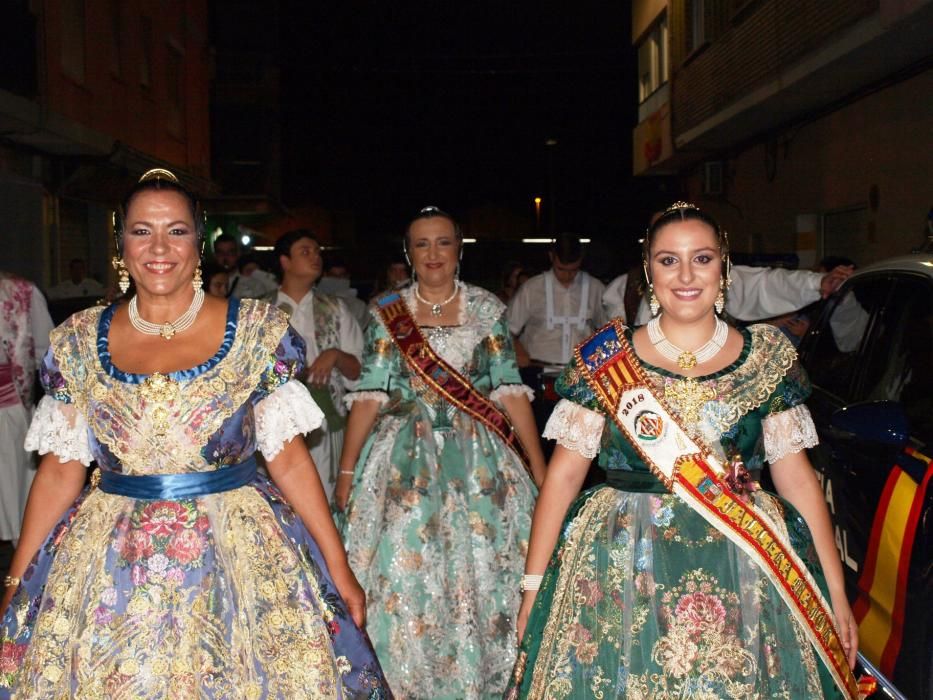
x=879 y=609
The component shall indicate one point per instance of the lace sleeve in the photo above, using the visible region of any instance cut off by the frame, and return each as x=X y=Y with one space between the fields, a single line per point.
x=511 y=390
x=351 y=398
x=788 y=432
x=575 y=427
x=286 y=412
x=61 y=429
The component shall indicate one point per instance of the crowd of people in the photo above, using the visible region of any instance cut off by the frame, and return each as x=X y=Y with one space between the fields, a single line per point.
x=298 y=494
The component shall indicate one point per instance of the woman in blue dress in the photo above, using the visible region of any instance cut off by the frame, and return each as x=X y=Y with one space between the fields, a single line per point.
x=180 y=571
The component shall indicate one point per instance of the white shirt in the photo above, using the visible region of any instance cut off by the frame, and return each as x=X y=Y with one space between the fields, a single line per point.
x=69 y=290
x=259 y=285
x=756 y=293
x=549 y=342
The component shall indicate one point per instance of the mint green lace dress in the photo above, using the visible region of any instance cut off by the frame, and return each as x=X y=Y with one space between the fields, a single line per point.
x=438 y=519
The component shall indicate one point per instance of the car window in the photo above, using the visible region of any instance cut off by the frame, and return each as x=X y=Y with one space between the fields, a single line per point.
x=833 y=352
x=897 y=365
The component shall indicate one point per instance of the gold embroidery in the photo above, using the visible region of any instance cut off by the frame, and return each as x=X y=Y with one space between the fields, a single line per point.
x=160 y=391
x=688 y=396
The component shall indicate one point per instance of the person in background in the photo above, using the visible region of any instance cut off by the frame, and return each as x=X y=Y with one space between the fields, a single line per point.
x=215 y=280
x=394 y=276
x=549 y=314
x=24 y=337
x=180 y=571
x=78 y=284
x=433 y=479
x=795 y=324
x=672 y=579
x=226 y=252
x=333 y=339
x=251 y=281
x=336 y=282
x=513 y=275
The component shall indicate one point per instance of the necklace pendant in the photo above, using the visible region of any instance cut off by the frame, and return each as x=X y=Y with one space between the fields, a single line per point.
x=686 y=360
x=436 y=310
x=167 y=331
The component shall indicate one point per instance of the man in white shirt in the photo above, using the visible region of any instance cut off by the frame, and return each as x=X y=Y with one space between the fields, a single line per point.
x=334 y=344
x=554 y=311
x=78 y=285
x=756 y=292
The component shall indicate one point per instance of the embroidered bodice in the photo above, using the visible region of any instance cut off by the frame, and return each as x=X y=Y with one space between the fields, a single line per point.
x=198 y=419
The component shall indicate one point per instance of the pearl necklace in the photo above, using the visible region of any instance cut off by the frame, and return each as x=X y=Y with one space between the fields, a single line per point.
x=686 y=359
x=437 y=309
x=168 y=329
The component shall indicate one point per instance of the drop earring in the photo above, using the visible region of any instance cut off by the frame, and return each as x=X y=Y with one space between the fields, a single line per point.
x=653 y=302
x=197 y=280
x=720 y=302
x=123 y=281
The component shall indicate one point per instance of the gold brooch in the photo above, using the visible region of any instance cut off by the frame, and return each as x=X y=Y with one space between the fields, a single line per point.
x=689 y=396
x=160 y=391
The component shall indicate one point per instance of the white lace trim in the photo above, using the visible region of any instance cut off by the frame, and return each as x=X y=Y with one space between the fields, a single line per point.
x=286 y=412
x=355 y=396
x=61 y=429
x=576 y=427
x=511 y=390
x=788 y=432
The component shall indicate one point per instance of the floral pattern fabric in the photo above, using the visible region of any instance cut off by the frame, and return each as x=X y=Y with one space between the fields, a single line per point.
x=642 y=597
x=437 y=524
x=219 y=596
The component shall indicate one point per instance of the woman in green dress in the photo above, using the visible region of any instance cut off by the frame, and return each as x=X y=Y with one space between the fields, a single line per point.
x=645 y=594
x=436 y=524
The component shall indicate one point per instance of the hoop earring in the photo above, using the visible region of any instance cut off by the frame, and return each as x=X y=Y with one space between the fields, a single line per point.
x=653 y=302
x=197 y=280
x=124 y=275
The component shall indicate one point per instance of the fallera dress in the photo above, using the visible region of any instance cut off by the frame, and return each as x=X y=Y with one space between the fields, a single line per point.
x=642 y=598
x=437 y=524
x=224 y=595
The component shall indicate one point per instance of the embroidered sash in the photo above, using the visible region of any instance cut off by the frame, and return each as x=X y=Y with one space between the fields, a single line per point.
x=692 y=472
x=441 y=377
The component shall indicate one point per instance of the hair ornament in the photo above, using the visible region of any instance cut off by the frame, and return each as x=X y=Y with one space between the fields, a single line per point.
x=680 y=206
x=159 y=174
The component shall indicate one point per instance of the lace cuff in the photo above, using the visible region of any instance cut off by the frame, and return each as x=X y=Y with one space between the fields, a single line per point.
x=511 y=390
x=788 y=432
x=575 y=427
x=286 y=412
x=379 y=396
x=61 y=429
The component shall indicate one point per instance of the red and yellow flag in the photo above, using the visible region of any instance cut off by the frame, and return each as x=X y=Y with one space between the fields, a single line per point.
x=879 y=609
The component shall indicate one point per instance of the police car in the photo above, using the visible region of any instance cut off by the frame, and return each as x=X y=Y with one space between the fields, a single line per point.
x=869 y=354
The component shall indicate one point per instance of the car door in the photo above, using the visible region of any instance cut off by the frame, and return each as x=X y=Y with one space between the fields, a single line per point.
x=869 y=359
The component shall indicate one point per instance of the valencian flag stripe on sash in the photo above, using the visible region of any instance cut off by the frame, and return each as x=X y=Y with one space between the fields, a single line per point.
x=690 y=471
x=879 y=609
x=440 y=376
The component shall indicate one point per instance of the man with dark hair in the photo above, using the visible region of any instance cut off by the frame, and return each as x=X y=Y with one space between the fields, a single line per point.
x=334 y=343
x=226 y=252
x=557 y=309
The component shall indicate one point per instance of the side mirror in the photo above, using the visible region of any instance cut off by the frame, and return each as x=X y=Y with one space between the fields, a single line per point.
x=881 y=422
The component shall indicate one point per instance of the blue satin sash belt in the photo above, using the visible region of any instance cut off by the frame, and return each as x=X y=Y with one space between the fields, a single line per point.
x=176 y=486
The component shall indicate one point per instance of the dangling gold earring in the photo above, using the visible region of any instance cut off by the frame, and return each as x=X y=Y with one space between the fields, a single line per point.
x=124 y=275
x=197 y=280
x=720 y=302
x=653 y=302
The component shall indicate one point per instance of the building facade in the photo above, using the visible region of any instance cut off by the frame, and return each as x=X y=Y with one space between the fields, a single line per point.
x=804 y=126
x=92 y=94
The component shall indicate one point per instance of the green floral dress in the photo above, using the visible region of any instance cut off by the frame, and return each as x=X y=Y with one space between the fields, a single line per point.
x=438 y=519
x=642 y=597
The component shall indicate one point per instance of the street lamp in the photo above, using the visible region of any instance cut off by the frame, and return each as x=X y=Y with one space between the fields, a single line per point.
x=537 y=215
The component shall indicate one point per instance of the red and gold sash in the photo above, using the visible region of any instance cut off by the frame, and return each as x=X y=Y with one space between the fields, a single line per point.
x=441 y=377
x=692 y=472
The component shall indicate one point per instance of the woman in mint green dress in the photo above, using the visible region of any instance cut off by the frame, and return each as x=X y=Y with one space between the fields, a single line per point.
x=436 y=525
x=646 y=595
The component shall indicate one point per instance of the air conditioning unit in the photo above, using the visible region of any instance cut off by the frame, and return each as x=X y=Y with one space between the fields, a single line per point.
x=712 y=177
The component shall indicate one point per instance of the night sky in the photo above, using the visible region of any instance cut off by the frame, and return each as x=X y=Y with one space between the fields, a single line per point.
x=391 y=106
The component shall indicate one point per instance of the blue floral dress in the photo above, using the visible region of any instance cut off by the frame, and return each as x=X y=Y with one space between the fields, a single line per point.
x=642 y=597
x=437 y=524
x=219 y=596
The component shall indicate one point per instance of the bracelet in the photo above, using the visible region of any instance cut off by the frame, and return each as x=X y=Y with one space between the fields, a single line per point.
x=531 y=582
x=11 y=581
x=348 y=473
